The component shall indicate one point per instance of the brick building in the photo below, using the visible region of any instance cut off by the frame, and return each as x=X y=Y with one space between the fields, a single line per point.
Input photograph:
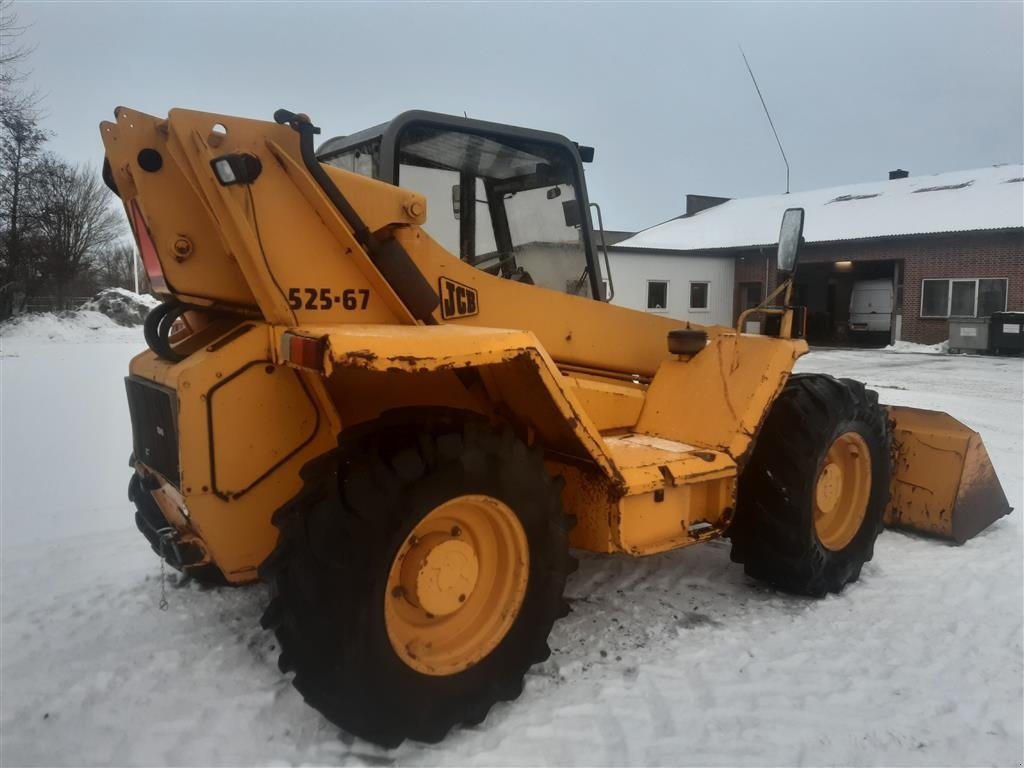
x=948 y=245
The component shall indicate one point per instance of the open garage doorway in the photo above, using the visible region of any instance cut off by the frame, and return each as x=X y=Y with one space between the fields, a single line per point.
x=850 y=303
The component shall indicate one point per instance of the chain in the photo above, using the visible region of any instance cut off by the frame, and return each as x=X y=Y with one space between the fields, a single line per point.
x=163 y=588
x=164 y=533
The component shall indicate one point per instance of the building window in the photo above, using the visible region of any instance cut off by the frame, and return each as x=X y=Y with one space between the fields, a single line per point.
x=991 y=297
x=962 y=298
x=657 y=295
x=699 y=295
x=971 y=297
x=935 y=298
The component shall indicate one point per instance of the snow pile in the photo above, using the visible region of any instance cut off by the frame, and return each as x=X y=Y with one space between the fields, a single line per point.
x=78 y=326
x=122 y=306
x=673 y=659
x=113 y=315
x=942 y=348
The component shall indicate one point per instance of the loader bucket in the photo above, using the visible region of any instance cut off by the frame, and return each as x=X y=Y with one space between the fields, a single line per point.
x=943 y=482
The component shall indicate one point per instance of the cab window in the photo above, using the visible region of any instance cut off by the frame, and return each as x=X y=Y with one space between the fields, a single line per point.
x=364 y=160
x=507 y=206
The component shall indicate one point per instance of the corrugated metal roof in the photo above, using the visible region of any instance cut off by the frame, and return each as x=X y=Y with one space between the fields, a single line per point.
x=979 y=199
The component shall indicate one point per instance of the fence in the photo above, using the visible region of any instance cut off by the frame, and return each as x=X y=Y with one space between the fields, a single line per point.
x=51 y=304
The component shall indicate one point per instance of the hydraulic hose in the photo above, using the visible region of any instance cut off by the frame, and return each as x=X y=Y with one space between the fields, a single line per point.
x=157 y=329
x=387 y=255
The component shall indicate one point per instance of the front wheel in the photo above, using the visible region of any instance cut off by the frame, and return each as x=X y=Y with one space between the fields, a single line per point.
x=811 y=498
x=422 y=583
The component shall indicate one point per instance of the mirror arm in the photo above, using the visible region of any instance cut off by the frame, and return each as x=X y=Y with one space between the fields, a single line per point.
x=766 y=307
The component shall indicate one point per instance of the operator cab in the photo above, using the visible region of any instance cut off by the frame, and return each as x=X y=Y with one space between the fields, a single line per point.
x=509 y=201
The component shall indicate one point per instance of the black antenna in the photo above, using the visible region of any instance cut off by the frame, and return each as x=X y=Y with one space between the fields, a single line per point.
x=772 y=124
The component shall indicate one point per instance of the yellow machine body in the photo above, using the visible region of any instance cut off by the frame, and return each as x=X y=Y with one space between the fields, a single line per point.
x=650 y=443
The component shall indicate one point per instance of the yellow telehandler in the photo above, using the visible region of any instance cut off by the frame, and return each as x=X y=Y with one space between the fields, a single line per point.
x=404 y=423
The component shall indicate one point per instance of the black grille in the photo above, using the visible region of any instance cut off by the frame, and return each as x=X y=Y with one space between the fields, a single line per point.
x=154 y=427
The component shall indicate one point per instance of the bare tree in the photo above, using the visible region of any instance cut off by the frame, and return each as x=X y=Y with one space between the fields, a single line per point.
x=74 y=219
x=21 y=141
x=13 y=51
x=115 y=266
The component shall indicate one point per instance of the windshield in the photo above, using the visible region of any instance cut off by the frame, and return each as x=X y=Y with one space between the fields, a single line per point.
x=508 y=207
x=364 y=159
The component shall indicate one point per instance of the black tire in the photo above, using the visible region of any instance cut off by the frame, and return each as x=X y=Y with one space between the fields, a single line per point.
x=328 y=576
x=157 y=329
x=150 y=521
x=773 y=534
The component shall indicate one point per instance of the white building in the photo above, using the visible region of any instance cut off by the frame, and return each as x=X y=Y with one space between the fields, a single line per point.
x=695 y=288
x=948 y=244
x=698 y=287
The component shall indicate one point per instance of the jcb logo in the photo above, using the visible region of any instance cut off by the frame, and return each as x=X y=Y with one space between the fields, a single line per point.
x=457 y=300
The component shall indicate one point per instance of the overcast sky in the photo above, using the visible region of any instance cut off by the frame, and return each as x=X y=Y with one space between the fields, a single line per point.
x=660 y=90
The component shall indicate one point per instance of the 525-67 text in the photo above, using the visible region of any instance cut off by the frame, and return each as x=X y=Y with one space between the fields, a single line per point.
x=325 y=298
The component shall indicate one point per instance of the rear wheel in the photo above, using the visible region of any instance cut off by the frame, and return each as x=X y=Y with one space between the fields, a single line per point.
x=811 y=498
x=415 y=585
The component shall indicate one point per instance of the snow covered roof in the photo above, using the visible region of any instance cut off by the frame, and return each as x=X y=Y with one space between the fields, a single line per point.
x=983 y=198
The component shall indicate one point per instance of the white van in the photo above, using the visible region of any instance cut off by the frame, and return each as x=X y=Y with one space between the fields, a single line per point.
x=871 y=306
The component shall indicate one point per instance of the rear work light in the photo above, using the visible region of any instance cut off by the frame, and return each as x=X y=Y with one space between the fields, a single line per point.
x=236 y=169
x=147 y=249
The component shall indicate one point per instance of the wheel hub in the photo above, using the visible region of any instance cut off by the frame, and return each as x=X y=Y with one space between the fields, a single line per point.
x=842 y=490
x=830 y=488
x=456 y=584
x=440 y=573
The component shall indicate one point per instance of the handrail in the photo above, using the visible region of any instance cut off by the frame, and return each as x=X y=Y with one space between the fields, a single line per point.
x=604 y=247
x=766 y=308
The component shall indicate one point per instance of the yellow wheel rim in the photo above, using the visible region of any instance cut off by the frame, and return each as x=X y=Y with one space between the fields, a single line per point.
x=456 y=585
x=842 y=490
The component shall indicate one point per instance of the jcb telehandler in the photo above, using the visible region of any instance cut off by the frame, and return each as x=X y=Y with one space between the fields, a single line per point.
x=403 y=423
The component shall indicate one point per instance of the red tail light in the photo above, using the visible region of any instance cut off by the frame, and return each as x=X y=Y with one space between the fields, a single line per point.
x=150 y=260
x=305 y=351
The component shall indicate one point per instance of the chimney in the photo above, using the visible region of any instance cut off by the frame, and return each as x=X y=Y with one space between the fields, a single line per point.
x=899 y=173
x=698 y=203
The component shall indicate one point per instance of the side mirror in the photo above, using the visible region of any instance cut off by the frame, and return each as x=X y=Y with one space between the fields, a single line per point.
x=586 y=153
x=790 y=236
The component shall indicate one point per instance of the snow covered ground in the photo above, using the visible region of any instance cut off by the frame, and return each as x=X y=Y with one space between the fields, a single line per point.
x=669 y=660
